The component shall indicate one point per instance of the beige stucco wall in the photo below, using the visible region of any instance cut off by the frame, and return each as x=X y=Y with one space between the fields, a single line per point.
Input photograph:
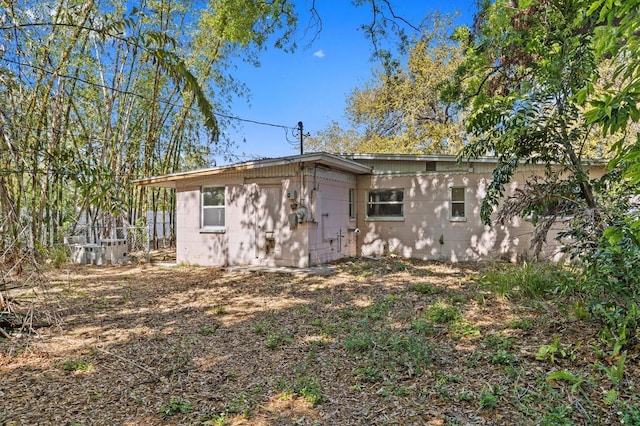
x=331 y=235
x=428 y=232
x=257 y=215
x=259 y=204
x=257 y=230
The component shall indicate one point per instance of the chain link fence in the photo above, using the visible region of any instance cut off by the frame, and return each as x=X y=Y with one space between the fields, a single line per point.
x=138 y=241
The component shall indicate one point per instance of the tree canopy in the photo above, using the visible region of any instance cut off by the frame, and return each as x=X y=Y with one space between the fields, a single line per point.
x=528 y=70
x=616 y=36
x=544 y=81
x=98 y=93
x=400 y=110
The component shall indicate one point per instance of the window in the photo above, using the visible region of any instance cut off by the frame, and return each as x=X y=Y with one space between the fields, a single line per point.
x=385 y=204
x=212 y=216
x=457 y=204
x=352 y=204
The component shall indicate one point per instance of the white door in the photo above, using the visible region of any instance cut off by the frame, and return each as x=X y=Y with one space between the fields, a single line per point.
x=268 y=222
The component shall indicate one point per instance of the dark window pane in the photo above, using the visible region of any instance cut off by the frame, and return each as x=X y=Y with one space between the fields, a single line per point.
x=457 y=194
x=385 y=203
x=213 y=217
x=457 y=210
x=386 y=196
x=212 y=196
x=352 y=204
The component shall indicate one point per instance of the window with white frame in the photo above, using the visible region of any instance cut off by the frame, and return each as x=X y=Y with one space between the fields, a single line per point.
x=213 y=206
x=457 y=203
x=385 y=204
x=352 y=204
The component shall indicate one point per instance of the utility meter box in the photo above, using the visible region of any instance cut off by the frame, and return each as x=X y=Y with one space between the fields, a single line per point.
x=293 y=220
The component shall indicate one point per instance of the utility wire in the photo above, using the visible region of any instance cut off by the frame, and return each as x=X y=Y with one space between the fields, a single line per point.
x=127 y=92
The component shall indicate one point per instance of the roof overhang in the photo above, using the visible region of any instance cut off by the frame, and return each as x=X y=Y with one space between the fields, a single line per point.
x=416 y=157
x=320 y=158
x=345 y=162
x=429 y=157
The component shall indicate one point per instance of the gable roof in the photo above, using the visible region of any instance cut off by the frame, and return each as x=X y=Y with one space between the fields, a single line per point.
x=322 y=158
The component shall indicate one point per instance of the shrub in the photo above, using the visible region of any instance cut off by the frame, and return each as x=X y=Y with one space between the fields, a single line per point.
x=424 y=288
x=440 y=313
x=367 y=374
x=58 y=256
x=274 y=340
x=488 y=399
x=358 y=342
x=528 y=280
x=310 y=389
x=609 y=264
x=503 y=357
x=77 y=365
x=174 y=406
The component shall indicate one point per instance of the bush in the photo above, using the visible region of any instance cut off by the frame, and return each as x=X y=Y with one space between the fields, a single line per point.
x=528 y=280
x=176 y=405
x=609 y=266
x=442 y=314
x=58 y=256
x=358 y=342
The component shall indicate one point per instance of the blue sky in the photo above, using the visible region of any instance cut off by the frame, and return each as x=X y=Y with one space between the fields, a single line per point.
x=312 y=84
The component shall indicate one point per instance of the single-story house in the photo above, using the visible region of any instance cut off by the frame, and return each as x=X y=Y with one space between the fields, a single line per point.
x=316 y=208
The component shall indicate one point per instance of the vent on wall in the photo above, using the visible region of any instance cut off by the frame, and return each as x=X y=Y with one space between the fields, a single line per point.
x=430 y=166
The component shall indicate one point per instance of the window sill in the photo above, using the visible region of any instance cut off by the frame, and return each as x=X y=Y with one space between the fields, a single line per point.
x=212 y=230
x=457 y=219
x=384 y=219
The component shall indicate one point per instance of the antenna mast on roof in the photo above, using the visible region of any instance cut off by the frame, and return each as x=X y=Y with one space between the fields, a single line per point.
x=302 y=136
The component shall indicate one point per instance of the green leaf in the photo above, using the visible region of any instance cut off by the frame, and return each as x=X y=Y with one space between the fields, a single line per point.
x=594 y=6
x=614 y=235
x=611 y=397
x=562 y=375
x=581 y=96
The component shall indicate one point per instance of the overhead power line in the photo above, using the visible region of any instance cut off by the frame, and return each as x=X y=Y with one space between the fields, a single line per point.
x=138 y=95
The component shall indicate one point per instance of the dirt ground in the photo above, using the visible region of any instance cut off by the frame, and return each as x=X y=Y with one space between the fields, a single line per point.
x=158 y=345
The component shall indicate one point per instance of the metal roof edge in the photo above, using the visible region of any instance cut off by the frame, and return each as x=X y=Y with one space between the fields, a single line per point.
x=336 y=161
x=415 y=157
x=346 y=162
x=442 y=157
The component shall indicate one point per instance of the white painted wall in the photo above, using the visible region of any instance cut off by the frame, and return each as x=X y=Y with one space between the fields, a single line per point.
x=428 y=232
x=330 y=237
x=258 y=208
x=257 y=230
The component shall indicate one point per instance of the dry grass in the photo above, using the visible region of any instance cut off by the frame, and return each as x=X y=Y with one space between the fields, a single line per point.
x=378 y=342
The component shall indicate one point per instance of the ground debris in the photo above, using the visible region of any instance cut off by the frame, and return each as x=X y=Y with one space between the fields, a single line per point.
x=382 y=341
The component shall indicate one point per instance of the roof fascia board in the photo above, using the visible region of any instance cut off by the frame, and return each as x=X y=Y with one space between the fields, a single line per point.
x=416 y=157
x=337 y=162
x=429 y=157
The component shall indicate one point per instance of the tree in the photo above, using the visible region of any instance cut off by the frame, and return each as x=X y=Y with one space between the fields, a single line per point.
x=540 y=76
x=334 y=139
x=401 y=109
x=99 y=93
x=95 y=94
x=616 y=38
x=612 y=265
x=525 y=65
